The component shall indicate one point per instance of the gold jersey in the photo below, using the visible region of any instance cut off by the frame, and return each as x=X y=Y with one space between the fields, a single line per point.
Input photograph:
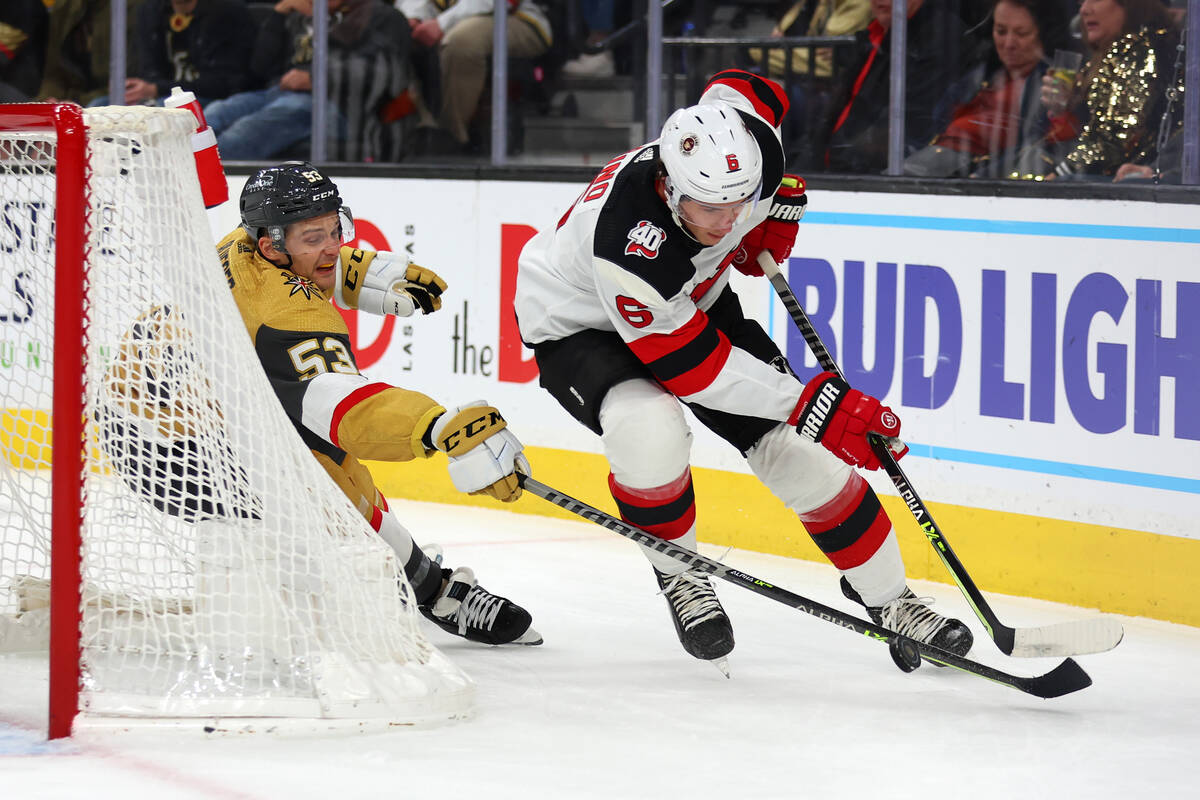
x=304 y=346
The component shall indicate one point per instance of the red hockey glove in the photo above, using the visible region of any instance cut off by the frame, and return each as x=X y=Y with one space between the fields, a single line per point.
x=838 y=417
x=776 y=233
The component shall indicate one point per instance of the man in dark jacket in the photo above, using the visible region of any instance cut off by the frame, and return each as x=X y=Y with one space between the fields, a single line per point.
x=22 y=49
x=201 y=46
x=855 y=137
x=259 y=125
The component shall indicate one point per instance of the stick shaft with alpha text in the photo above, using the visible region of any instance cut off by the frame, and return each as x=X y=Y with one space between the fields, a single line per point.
x=1063 y=639
x=1067 y=677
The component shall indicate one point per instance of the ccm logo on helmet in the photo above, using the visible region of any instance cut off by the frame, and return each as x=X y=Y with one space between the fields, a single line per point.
x=819 y=409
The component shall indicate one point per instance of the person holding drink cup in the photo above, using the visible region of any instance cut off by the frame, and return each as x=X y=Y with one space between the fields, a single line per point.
x=1123 y=86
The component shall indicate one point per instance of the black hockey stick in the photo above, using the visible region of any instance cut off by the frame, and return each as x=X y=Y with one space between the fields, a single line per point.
x=1067 y=677
x=1062 y=639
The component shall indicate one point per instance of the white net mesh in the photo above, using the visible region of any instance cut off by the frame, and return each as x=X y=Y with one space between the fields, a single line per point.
x=224 y=572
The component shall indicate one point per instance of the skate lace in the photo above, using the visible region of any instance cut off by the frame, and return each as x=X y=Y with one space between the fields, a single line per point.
x=479 y=609
x=911 y=616
x=693 y=599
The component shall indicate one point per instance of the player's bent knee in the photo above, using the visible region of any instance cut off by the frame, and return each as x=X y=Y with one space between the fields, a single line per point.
x=802 y=474
x=646 y=437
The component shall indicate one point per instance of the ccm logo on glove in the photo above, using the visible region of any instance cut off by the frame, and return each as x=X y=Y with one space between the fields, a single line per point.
x=484 y=456
x=385 y=283
x=469 y=430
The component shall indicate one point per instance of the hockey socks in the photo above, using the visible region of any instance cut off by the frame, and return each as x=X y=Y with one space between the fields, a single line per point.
x=668 y=512
x=855 y=534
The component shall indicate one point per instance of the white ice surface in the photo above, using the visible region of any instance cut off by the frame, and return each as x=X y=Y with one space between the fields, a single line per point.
x=611 y=707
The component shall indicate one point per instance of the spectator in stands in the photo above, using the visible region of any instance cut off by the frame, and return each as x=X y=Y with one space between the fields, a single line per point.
x=812 y=92
x=1132 y=47
x=452 y=50
x=264 y=123
x=999 y=129
x=78 y=47
x=23 y=26
x=201 y=46
x=813 y=18
x=598 y=18
x=854 y=137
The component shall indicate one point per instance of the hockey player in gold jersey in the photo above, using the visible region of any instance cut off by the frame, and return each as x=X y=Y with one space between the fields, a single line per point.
x=284 y=265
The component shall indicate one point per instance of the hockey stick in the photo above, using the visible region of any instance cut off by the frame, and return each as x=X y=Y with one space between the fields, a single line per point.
x=1062 y=639
x=1067 y=677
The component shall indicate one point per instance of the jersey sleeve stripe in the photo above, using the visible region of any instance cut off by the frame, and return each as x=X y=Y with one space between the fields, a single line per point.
x=766 y=96
x=654 y=346
x=348 y=402
x=685 y=359
x=703 y=374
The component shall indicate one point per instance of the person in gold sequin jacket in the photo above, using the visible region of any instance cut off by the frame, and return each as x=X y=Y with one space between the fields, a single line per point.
x=1124 y=85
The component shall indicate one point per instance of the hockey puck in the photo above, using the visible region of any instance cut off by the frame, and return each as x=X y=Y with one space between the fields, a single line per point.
x=905 y=653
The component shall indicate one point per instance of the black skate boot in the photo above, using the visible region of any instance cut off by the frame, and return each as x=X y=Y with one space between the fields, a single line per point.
x=464 y=608
x=909 y=615
x=700 y=621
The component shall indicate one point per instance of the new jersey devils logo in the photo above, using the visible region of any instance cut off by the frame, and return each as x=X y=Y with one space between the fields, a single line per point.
x=644 y=240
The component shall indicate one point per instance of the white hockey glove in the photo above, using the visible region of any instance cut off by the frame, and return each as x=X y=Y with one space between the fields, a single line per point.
x=385 y=283
x=484 y=454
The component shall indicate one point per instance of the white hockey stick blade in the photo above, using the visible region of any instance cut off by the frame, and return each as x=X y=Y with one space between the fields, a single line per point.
x=1068 y=638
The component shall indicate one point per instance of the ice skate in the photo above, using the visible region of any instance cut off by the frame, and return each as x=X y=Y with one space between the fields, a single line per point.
x=464 y=608
x=909 y=615
x=700 y=621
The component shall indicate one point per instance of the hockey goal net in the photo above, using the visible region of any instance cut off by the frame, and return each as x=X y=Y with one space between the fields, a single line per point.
x=162 y=525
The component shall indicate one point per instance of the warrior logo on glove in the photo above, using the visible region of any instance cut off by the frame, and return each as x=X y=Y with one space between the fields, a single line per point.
x=843 y=419
x=777 y=233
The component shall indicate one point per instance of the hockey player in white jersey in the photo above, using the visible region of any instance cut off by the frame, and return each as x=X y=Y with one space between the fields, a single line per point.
x=627 y=306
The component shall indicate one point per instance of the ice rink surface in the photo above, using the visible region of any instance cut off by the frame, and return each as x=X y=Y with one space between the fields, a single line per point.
x=611 y=707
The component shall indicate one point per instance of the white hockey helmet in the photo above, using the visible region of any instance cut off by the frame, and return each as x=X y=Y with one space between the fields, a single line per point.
x=711 y=159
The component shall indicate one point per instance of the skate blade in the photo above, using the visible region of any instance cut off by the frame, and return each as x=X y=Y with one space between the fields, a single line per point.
x=721 y=664
x=530 y=637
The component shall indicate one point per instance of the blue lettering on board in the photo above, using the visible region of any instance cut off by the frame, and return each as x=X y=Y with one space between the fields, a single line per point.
x=919 y=390
x=1095 y=371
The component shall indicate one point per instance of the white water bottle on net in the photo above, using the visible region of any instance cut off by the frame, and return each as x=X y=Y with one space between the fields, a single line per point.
x=162 y=526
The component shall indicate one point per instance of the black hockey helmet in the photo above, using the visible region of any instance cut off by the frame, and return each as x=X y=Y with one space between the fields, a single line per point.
x=275 y=197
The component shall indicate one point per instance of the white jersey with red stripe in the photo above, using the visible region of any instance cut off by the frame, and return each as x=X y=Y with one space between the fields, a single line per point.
x=620 y=261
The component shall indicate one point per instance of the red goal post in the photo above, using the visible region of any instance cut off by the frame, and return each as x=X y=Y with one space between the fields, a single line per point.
x=188 y=557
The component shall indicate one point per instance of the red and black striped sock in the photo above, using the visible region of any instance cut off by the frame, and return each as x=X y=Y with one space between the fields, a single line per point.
x=668 y=511
x=851 y=527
